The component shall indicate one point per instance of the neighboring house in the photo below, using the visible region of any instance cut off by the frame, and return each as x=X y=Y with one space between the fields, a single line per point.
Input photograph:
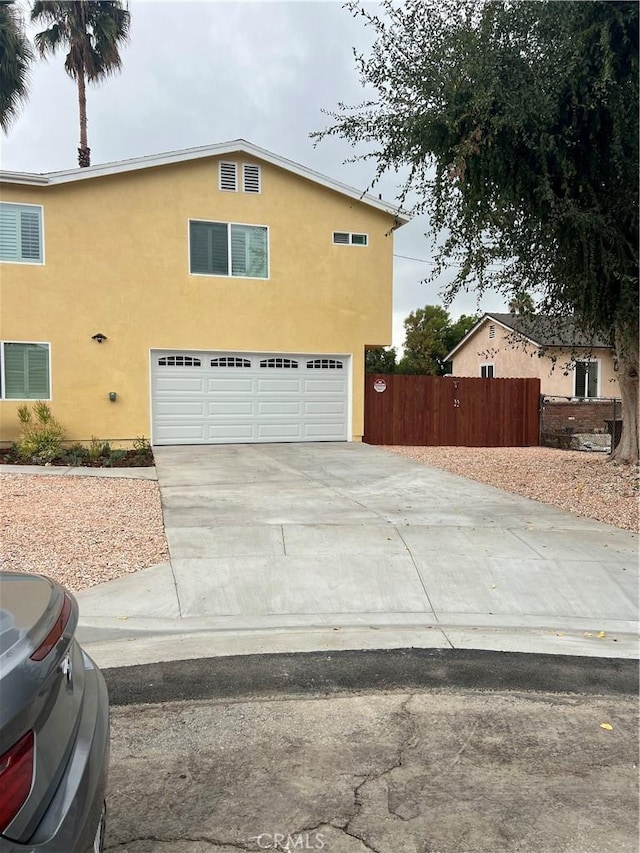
x=217 y=294
x=567 y=362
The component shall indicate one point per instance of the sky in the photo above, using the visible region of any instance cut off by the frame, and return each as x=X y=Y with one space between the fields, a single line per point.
x=199 y=73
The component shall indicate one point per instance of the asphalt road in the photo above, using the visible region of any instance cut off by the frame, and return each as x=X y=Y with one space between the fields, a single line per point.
x=408 y=751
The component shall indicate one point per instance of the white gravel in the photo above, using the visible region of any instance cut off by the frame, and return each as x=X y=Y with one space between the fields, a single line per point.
x=80 y=531
x=583 y=483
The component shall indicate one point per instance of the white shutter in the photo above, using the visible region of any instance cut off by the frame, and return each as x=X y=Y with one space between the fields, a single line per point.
x=228 y=176
x=250 y=178
x=20 y=233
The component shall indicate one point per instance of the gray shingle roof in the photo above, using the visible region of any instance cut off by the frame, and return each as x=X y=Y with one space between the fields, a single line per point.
x=550 y=331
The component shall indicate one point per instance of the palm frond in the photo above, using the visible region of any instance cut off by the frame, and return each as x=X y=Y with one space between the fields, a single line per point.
x=15 y=58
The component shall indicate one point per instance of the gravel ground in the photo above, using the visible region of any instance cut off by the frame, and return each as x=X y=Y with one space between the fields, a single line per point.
x=80 y=531
x=582 y=483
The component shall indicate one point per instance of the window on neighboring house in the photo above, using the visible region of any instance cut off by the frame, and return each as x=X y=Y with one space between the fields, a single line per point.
x=346 y=238
x=222 y=248
x=586 y=378
x=24 y=371
x=21 y=233
x=486 y=371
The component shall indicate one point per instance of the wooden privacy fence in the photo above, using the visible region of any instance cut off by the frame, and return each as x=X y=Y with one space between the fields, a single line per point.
x=451 y=410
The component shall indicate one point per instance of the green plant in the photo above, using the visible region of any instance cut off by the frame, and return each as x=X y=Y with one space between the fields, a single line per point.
x=94 y=450
x=141 y=445
x=41 y=435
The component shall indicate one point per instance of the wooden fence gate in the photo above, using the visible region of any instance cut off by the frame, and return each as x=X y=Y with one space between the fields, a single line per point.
x=451 y=410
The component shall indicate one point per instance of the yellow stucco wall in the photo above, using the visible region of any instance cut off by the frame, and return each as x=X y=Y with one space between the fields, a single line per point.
x=523 y=361
x=116 y=262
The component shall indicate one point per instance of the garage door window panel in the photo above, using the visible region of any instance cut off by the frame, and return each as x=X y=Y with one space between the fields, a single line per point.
x=228 y=249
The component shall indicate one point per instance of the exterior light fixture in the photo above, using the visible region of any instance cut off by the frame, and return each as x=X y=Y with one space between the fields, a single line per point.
x=99 y=337
x=112 y=396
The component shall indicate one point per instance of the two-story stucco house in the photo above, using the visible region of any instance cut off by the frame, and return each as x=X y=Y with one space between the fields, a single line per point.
x=217 y=294
x=567 y=362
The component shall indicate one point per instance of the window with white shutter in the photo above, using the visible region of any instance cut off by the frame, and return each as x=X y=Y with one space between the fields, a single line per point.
x=228 y=176
x=24 y=371
x=229 y=249
x=250 y=178
x=21 y=233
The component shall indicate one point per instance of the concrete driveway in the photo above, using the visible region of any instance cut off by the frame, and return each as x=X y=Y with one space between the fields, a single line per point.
x=292 y=547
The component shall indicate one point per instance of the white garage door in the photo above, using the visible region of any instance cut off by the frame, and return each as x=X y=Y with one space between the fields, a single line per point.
x=231 y=397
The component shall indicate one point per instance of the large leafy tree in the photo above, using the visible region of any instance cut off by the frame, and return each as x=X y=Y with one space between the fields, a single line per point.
x=15 y=56
x=380 y=360
x=518 y=126
x=92 y=34
x=429 y=336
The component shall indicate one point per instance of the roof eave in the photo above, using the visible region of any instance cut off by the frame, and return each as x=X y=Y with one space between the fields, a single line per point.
x=171 y=157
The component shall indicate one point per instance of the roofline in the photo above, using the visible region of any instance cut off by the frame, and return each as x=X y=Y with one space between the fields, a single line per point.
x=170 y=157
x=473 y=329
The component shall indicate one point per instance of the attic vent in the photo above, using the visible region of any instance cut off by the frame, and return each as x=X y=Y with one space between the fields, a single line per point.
x=492 y=332
x=179 y=361
x=250 y=178
x=341 y=237
x=228 y=175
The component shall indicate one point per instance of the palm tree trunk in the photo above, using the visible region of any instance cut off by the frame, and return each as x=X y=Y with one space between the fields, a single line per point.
x=84 y=152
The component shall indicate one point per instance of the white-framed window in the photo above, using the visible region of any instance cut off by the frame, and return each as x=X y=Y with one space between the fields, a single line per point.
x=228 y=174
x=487 y=371
x=228 y=249
x=586 y=378
x=25 y=371
x=347 y=238
x=21 y=233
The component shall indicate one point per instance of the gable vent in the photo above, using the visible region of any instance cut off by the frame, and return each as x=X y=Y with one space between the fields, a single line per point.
x=492 y=332
x=228 y=174
x=250 y=178
x=341 y=237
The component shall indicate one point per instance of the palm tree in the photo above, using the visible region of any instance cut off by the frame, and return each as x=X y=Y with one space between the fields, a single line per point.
x=15 y=56
x=521 y=303
x=92 y=32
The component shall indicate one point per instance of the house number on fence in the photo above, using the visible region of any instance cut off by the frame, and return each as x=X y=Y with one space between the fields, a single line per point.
x=380 y=385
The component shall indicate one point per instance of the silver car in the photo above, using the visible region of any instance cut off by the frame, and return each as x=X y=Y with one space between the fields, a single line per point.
x=54 y=724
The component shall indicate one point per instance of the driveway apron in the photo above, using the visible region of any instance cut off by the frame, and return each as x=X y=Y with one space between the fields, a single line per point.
x=345 y=538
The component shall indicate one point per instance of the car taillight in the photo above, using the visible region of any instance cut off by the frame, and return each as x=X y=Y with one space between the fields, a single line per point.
x=16 y=773
x=56 y=632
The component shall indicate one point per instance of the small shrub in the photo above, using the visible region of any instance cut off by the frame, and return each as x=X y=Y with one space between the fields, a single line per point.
x=41 y=435
x=141 y=445
x=96 y=449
